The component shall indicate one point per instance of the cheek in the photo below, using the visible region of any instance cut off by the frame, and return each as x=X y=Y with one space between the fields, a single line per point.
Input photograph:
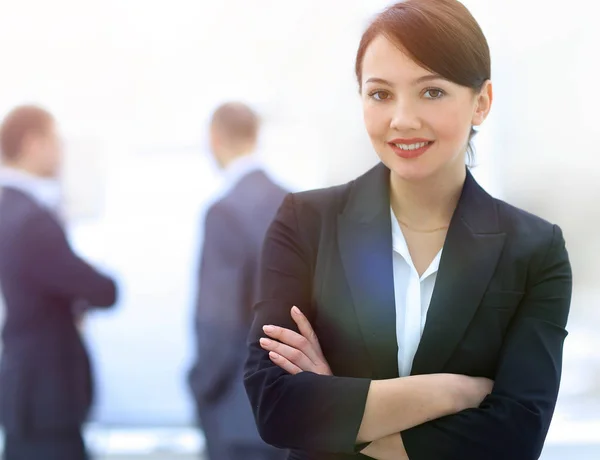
x=376 y=120
x=57 y=154
x=53 y=150
x=450 y=123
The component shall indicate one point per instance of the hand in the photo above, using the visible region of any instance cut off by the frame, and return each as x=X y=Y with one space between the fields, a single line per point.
x=80 y=308
x=295 y=352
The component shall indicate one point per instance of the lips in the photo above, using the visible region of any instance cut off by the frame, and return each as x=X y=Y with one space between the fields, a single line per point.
x=410 y=148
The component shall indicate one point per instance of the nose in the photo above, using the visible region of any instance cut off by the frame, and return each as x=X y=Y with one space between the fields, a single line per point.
x=405 y=117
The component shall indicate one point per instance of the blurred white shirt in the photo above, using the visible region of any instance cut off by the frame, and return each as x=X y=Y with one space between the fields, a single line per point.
x=232 y=174
x=46 y=192
x=413 y=296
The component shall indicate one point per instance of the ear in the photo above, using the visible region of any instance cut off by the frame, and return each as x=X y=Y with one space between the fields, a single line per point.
x=483 y=104
x=31 y=144
x=214 y=136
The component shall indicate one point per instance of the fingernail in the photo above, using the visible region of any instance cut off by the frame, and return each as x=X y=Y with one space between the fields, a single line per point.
x=273 y=355
x=296 y=311
x=268 y=329
x=265 y=342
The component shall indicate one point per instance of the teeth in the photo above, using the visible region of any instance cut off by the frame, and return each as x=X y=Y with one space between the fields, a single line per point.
x=411 y=146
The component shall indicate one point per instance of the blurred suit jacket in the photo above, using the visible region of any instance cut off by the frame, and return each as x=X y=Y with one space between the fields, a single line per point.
x=234 y=231
x=498 y=310
x=45 y=377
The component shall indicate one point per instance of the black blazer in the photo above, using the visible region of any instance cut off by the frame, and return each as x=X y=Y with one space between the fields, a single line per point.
x=499 y=310
x=45 y=378
x=235 y=227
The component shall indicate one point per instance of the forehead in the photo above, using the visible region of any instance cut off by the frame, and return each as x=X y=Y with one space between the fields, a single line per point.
x=383 y=59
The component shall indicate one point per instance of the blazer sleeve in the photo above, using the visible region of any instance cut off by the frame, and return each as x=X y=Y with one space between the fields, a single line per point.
x=305 y=411
x=50 y=264
x=223 y=304
x=512 y=422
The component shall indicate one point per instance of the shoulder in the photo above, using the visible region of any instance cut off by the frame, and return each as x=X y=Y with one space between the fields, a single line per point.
x=17 y=205
x=29 y=231
x=19 y=213
x=314 y=213
x=322 y=202
x=523 y=225
x=256 y=193
x=247 y=209
x=222 y=213
x=531 y=238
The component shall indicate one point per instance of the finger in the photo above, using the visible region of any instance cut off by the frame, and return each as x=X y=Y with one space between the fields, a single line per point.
x=288 y=336
x=315 y=354
x=304 y=326
x=293 y=355
x=293 y=339
x=284 y=363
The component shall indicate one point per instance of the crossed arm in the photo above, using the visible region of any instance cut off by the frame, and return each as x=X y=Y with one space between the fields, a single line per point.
x=50 y=264
x=389 y=409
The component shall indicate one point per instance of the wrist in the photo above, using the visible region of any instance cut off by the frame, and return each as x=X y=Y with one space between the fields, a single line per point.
x=456 y=399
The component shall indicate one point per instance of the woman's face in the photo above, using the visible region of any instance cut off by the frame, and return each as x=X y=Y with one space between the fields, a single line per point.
x=418 y=122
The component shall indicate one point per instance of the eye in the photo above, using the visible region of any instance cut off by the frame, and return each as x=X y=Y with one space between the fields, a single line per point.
x=433 y=93
x=379 y=95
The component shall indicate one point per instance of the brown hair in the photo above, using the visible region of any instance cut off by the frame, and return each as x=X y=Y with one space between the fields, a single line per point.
x=440 y=35
x=21 y=122
x=237 y=121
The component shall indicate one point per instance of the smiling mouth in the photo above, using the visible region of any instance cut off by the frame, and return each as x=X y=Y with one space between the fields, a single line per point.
x=408 y=147
x=412 y=150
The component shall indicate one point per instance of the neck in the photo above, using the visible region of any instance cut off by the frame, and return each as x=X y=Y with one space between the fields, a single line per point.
x=26 y=168
x=427 y=203
x=229 y=157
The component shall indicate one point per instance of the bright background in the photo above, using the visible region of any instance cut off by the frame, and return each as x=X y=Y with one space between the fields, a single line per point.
x=133 y=83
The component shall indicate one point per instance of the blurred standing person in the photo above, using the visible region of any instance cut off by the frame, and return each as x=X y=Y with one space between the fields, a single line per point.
x=234 y=230
x=45 y=374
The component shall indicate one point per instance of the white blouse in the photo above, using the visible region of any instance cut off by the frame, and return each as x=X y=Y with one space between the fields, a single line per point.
x=413 y=295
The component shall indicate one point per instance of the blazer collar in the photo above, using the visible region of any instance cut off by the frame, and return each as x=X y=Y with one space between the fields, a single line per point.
x=471 y=250
x=369 y=198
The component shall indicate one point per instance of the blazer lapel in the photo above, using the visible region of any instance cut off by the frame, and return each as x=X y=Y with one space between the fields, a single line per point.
x=365 y=245
x=471 y=251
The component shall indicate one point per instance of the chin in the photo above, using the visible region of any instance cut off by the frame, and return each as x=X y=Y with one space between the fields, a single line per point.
x=410 y=170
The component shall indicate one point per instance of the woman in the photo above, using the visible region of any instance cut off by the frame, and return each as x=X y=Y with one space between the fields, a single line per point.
x=416 y=287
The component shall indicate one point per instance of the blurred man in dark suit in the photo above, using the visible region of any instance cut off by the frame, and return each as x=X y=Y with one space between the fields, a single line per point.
x=45 y=376
x=234 y=230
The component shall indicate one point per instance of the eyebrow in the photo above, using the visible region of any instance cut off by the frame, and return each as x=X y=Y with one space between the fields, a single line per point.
x=418 y=81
